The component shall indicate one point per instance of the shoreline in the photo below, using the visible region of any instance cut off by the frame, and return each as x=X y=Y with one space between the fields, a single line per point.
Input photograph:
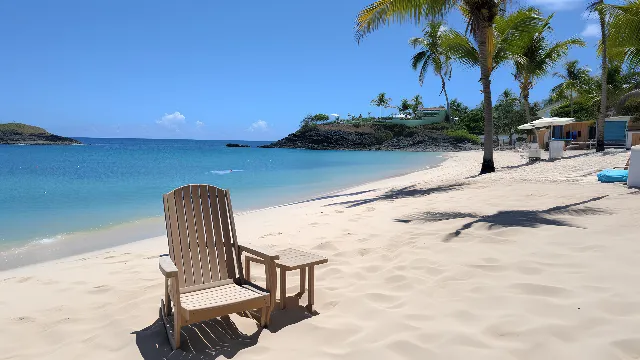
x=75 y=243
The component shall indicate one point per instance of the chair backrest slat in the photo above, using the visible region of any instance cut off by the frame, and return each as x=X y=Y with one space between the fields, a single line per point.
x=190 y=200
x=184 y=236
x=234 y=237
x=201 y=234
x=217 y=232
x=208 y=229
x=226 y=232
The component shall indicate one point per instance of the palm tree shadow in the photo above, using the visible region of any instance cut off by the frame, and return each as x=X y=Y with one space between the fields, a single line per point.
x=401 y=193
x=512 y=218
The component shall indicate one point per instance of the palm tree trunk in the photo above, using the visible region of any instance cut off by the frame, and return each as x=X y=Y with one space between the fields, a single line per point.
x=603 y=99
x=571 y=103
x=525 y=103
x=446 y=97
x=485 y=78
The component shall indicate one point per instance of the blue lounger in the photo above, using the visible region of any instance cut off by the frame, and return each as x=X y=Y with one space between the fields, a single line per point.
x=613 y=175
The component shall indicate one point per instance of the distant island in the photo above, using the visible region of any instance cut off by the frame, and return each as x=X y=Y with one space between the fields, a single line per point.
x=16 y=133
x=233 y=145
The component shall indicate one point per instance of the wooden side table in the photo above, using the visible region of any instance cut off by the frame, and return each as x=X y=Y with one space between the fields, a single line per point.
x=291 y=259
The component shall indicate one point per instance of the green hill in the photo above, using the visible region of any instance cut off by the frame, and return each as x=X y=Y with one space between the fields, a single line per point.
x=17 y=133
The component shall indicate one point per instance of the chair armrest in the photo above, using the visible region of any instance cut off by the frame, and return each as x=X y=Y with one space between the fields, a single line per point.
x=167 y=267
x=261 y=253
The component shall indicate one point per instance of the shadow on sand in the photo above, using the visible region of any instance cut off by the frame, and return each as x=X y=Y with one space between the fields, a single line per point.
x=511 y=218
x=401 y=193
x=213 y=338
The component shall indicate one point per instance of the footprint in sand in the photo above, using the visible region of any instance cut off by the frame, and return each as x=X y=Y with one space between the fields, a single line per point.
x=23 y=319
x=270 y=234
x=100 y=289
x=548 y=291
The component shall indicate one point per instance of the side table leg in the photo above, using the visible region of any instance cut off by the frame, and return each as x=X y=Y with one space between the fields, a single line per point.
x=303 y=280
x=311 y=288
x=283 y=287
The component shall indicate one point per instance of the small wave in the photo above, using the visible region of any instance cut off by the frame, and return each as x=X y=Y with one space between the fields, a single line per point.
x=47 y=240
x=223 y=172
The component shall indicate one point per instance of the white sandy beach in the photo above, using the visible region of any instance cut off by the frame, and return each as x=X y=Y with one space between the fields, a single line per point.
x=531 y=262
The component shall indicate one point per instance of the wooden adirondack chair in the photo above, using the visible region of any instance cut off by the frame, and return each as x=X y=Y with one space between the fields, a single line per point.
x=203 y=272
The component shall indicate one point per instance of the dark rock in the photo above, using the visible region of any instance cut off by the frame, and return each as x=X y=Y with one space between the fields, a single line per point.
x=237 y=145
x=372 y=137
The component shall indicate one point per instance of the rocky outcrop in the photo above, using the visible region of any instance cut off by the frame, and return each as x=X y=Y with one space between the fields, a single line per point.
x=373 y=137
x=16 y=133
x=233 y=145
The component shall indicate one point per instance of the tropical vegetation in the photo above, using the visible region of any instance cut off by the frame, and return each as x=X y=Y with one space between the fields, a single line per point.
x=521 y=39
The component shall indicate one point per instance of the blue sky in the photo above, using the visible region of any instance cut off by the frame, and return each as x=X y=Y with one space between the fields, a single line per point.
x=205 y=69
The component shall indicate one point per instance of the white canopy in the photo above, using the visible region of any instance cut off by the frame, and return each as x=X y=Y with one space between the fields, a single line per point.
x=552 y=121
x=528 y=126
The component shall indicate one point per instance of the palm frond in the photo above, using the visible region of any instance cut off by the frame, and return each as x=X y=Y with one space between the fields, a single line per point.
x=385 y=12
x=417 y=59
x=460 y=48
x=624 y=27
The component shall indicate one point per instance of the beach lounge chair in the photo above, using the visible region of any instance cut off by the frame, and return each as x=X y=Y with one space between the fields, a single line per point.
x=203 y=270
x=626 y=166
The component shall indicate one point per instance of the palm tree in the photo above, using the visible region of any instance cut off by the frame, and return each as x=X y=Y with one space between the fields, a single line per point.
x=480 y=17
x=416 y=104
x=432 y=54
x=381 y=101
x=573 y=79
x=404 y=107
x=623 y=38
x=536 y=58
x=599 y=7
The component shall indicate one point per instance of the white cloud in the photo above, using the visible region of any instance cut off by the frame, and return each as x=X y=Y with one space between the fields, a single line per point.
x=259 y=125
x=199 y=124
x=592 y=30
x=171 y=121
x=556 y=5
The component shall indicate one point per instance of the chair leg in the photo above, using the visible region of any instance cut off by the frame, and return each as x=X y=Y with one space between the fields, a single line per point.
x=177 y=322
x=167 y=298
x=263 y=316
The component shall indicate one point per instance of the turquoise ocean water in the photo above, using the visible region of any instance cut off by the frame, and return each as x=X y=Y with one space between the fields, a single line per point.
x=46 y=191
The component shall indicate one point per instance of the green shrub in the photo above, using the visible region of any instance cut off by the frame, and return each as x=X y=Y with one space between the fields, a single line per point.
x=306 y=127
x=437 y=126
x=463 y=136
